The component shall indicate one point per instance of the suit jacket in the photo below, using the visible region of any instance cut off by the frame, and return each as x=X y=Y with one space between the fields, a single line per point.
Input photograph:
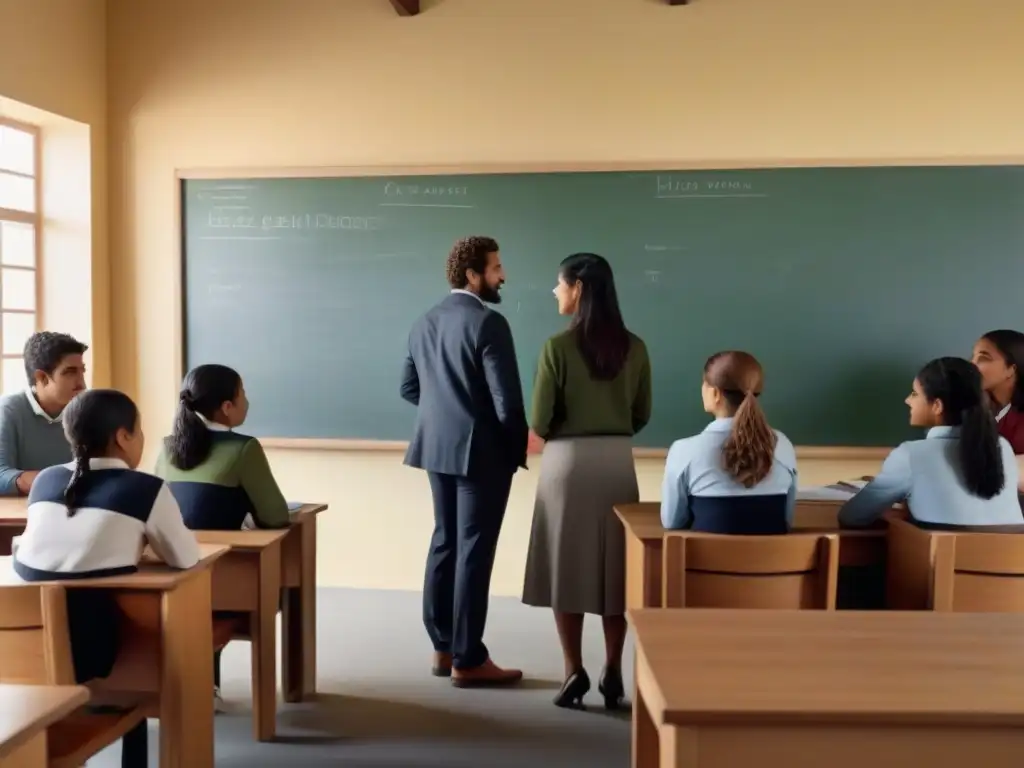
x=462 y=375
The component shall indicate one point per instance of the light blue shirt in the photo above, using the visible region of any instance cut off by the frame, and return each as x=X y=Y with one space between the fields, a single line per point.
x=694 y=468
x=926 y=474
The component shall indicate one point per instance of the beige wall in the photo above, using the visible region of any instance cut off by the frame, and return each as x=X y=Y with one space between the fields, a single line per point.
x=53 y=58
x=244 y=83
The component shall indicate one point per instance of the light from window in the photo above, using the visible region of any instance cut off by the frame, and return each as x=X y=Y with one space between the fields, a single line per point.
x=17 y=150
x=12 y=373
x=19 y=238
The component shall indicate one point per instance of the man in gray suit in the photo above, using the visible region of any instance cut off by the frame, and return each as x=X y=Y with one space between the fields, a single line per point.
x=470 y=437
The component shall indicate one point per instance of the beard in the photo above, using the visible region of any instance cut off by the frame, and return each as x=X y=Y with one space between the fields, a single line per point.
x=491 y=295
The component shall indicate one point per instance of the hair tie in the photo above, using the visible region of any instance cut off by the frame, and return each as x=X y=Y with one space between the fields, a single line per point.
x=185 y=399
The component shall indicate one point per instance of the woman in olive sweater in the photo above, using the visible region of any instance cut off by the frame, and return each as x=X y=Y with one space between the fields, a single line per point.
x=592 y=393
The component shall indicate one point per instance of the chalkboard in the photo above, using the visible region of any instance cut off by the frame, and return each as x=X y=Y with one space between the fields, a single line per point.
x=842 y=281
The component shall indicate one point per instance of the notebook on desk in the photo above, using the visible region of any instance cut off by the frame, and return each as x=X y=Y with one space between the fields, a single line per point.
x=295 y=506
x=840 y=491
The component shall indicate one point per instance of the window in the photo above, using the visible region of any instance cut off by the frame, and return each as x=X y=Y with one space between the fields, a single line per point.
x=20 y=221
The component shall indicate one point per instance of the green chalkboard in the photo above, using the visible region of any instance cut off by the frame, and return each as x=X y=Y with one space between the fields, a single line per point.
x=843 y=281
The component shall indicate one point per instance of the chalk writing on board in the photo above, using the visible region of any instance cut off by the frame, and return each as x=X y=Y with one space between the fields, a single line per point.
x=427 y=195
x=682 y=187
x=303 y=221
x=225 y=192
x=663 y=248
x=652 y=275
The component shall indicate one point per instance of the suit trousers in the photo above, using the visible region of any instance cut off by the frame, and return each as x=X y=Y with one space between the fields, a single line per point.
x=468 y=513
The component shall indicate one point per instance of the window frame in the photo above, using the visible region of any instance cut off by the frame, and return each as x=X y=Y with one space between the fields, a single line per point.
x=34 y=220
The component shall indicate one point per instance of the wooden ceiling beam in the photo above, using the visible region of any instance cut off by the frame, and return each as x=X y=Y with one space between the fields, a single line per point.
x=407 y=7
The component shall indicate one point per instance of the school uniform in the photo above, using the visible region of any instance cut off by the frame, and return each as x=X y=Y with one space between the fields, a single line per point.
x=1011 y=426
x=697 y=493
x=30 y=439
x=926 y=474
x=118 y=510
x=233 y=488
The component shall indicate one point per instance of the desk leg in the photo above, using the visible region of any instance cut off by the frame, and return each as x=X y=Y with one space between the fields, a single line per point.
x=186 y=675
x=678 y=747
x=645 y=740
x=299 y=623
x=264 y=646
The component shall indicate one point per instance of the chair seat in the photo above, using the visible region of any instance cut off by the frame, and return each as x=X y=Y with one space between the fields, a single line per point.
x=82 y=734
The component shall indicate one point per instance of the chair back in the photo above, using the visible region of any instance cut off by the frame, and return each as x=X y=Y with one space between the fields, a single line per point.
x=794 y=571
x=35 y=643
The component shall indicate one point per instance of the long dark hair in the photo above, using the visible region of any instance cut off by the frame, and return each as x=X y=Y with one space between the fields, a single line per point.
x=749 y=452
x=600 y=331
x=1011 y=346
x=957 y=384
x=91 y=422
x=205 y=389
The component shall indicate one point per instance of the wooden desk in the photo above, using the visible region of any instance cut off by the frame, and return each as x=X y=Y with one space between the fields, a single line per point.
x=165 y=649
x=298 y=609
x=247 y=580
x=861 y=553
x=844 y=689
x=26 y=711
x=298 y=601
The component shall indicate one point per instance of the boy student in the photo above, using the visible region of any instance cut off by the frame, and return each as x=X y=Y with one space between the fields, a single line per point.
x=31 y=433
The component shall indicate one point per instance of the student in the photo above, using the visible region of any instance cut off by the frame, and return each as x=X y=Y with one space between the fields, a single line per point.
x=221 y=478
x=738 y=476
x=999 y=356
x=91 y=518
x=592 y=393
x=31 y=435
x=962 y=474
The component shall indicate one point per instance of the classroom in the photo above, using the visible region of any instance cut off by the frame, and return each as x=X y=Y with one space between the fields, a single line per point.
x=128 y=94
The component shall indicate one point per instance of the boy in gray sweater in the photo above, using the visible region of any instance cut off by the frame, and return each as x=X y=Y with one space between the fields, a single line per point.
x=31 y=432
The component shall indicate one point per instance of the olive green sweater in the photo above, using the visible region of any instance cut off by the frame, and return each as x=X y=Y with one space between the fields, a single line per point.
x=569 y=402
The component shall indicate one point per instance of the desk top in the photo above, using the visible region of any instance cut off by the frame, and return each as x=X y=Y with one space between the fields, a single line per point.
x=27 y=709
x=15 y=510
x=152 y=574
x=643 y=519
x=719 y=666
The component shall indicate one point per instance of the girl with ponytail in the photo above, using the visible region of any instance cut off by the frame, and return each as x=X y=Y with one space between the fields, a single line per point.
x=739 y=475
x=962 y=474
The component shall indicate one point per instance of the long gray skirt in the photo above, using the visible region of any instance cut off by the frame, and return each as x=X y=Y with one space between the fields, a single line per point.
x=577 y=556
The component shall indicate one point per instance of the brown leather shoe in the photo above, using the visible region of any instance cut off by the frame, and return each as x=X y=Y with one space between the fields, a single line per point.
x=486 y=675
x=442 y=665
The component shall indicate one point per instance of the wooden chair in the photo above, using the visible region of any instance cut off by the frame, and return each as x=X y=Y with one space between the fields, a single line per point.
x=971 y=570
x=35 y=649
x=702 y=570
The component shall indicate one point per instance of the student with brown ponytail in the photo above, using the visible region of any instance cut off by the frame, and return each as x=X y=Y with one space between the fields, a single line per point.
x=738 y=476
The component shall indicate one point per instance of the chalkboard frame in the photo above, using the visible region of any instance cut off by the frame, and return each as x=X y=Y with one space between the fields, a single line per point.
x=815 y=452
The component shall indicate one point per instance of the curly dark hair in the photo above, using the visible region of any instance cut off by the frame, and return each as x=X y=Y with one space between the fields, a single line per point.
x=468 y=253
x=44 y=351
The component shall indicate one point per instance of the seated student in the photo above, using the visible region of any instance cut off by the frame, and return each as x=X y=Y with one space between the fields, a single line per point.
x=962 y=474
x=999 y=356
x=31 y=435
x=220 y=478
x=738 y=476
x=91 y=518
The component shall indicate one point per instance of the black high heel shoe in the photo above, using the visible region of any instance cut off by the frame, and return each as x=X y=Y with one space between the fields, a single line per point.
x=573 y=690
x=610 y=686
